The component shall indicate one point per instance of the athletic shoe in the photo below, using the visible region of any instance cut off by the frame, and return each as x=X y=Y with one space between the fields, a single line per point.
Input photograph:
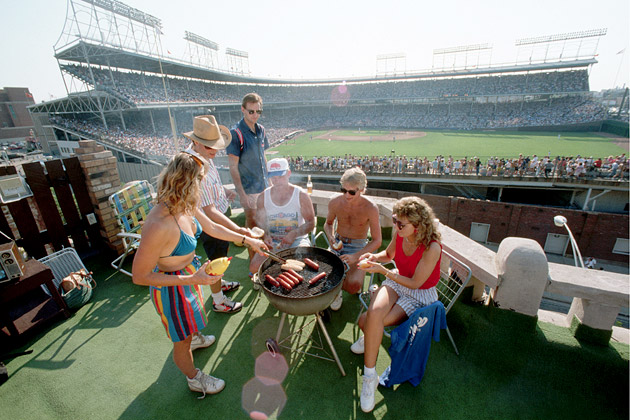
x=336 y=305
x=229 y=286
x=206 y=384
x=359 y=346
x=227 y=306
x=201 y=341
x=367 y=392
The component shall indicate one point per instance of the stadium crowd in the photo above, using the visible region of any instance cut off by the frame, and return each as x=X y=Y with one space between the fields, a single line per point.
x=613 y=167
x=146 y=88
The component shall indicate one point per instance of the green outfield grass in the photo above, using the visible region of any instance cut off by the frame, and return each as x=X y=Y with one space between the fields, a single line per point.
x=456 y=143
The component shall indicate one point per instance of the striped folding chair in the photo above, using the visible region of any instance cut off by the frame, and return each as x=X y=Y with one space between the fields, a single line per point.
x=131 y=206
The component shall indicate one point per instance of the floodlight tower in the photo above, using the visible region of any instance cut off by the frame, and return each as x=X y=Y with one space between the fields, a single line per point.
x=390 y=64
x=238 y=61
x=202 y=51
x=559 y=47
x=91 y=25
x=472 y=55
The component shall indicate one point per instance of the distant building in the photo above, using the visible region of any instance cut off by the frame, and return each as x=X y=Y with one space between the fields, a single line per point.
x=15 y=120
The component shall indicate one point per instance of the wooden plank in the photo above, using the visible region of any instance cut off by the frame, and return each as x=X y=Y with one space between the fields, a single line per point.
x=5 y=228
x=25 y=222
x=40 y=186
x=77 y=180
x=26 y=225
x=65 y=198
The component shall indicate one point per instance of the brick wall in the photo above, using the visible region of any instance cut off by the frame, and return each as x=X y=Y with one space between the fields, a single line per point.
x=101 y=174
x=594 y=232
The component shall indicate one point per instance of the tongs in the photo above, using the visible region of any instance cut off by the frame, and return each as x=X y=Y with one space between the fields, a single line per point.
x=274 y=257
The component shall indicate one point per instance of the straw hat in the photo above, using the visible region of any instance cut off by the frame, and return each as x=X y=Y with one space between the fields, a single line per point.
x=206 y=131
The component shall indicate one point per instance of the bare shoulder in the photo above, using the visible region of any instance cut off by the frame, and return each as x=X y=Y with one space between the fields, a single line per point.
x=368 y=204
x=335 y=202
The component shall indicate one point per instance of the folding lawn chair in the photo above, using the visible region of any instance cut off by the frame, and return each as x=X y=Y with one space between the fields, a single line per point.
x=454 y=276
x=131 y=206
x=62 y=264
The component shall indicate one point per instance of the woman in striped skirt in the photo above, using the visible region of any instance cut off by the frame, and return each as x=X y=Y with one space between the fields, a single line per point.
x=166 y=262
x=417 y=252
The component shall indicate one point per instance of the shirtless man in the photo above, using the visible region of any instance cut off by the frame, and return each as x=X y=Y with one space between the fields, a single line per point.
x=355 y=214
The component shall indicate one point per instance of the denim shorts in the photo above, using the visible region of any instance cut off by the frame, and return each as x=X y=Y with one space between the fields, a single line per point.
x=351 y=247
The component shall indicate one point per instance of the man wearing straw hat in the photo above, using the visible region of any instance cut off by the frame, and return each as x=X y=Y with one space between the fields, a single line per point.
x=208 y=138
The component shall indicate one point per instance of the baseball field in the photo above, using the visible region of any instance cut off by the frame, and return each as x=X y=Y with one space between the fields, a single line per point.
x=456 y=143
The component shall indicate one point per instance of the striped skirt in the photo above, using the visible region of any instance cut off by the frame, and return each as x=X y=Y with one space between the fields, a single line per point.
x=181 y=308
x=411 y=299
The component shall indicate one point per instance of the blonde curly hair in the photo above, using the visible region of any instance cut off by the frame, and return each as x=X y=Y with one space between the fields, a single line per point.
x=421 y=216
x=178 y=183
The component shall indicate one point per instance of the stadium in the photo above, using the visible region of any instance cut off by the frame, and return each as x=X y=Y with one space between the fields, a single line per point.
x=129 y=95
x=500 y=152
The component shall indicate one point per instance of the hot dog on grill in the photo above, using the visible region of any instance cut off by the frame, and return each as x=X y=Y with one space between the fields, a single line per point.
x=288 y=279
x=271 y=280
x=299 y=277
x=284 y=283
x=311 y=264
x=295 y=279
x=317 y=278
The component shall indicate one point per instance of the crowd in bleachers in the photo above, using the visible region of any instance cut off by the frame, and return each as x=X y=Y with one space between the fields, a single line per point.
x=148 y=88
x=612 y=167
x=297 y=108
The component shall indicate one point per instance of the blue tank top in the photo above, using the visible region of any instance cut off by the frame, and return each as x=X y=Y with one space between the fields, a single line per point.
x=187 y=243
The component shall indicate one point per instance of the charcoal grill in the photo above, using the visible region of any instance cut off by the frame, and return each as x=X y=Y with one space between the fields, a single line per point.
x=304 y=299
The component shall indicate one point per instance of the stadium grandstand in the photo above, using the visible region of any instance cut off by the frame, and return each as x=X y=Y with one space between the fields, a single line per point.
x=126 y=94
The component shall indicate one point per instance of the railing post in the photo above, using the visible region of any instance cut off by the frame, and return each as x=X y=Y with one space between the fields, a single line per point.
x=522 y=270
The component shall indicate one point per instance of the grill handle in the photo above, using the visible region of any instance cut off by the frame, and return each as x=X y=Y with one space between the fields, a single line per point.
x=346 y=267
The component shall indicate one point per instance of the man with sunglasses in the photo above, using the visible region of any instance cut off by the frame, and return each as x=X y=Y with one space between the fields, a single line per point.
x=246 y=155
x=208 y=138
x=355 y=215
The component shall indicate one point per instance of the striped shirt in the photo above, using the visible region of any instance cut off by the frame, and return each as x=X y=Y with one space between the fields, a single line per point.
x=211 y=189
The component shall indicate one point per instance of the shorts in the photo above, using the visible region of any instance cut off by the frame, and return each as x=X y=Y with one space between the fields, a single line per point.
x=411 y=299
x=299 y=241
x=181 y=308
x=351 y=246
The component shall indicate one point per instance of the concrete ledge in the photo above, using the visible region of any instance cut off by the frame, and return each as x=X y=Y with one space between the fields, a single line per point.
x=480 y=259
x=595 y=285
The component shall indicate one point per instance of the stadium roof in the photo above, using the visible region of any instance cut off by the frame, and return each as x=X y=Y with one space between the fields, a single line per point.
x=123 y=59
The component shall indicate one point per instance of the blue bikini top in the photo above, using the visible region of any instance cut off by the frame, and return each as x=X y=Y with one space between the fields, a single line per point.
x=187 y=243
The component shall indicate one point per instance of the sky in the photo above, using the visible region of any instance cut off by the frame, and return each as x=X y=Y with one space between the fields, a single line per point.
x=328 y=38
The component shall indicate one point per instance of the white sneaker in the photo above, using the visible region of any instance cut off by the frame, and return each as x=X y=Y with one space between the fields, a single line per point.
x=367 y=392
x=359 y=346
x=336 y=305
x=205 y=383
x=201 y=341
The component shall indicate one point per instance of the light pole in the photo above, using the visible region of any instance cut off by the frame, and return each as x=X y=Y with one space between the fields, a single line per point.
x=562 y=221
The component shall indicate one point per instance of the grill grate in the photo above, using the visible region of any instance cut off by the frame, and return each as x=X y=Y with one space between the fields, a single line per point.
x=303 y=290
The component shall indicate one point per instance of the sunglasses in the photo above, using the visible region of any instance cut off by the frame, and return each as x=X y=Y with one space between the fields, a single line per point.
x=351 y=192
x=400 y=225
x=252 y=112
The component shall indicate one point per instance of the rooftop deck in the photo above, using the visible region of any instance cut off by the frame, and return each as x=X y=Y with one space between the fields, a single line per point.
x=112 y=360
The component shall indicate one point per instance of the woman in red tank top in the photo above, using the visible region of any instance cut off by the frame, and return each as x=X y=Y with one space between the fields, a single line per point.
x=417 y=251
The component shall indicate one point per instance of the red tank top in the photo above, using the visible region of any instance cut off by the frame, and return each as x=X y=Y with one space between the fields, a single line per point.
x=407 y=264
